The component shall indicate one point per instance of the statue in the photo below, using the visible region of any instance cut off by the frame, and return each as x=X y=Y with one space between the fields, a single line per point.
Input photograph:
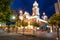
x=44 y=17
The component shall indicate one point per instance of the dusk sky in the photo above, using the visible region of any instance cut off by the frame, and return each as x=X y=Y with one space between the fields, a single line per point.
x=46 y=6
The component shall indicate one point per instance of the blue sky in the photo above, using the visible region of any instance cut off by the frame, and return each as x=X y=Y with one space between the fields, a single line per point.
x=46 y=6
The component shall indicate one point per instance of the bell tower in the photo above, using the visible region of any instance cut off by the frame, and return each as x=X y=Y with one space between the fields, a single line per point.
x=35 y=9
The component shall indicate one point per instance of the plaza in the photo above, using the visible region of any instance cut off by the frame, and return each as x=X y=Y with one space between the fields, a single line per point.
x=29 y=20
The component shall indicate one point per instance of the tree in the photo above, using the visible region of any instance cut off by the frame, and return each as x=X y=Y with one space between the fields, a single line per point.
x=23 y=23
x=55 y=20
x=35 y=24
x=18 y=24
x=5 y=5
x=51 y=21
x=5 y=10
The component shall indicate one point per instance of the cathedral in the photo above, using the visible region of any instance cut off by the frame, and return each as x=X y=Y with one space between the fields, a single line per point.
x=35 y=15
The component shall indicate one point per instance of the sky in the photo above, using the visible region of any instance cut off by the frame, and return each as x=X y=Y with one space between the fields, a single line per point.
x=46 y=6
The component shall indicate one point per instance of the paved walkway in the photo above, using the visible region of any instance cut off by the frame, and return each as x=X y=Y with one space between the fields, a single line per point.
x=38 y=36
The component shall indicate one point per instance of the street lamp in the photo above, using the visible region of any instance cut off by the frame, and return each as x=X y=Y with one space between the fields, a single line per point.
x=0 y=24
x=13 y=17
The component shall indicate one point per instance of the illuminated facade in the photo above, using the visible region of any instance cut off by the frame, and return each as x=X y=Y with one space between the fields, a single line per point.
x=35 y=14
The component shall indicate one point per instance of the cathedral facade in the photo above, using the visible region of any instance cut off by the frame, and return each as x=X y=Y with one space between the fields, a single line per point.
x=35 y=17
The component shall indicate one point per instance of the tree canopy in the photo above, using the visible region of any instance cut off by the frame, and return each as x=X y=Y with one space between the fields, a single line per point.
x=5 y=10
x=36 y=24
x=21 y=22
x=24 y=23
x=55 y=19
